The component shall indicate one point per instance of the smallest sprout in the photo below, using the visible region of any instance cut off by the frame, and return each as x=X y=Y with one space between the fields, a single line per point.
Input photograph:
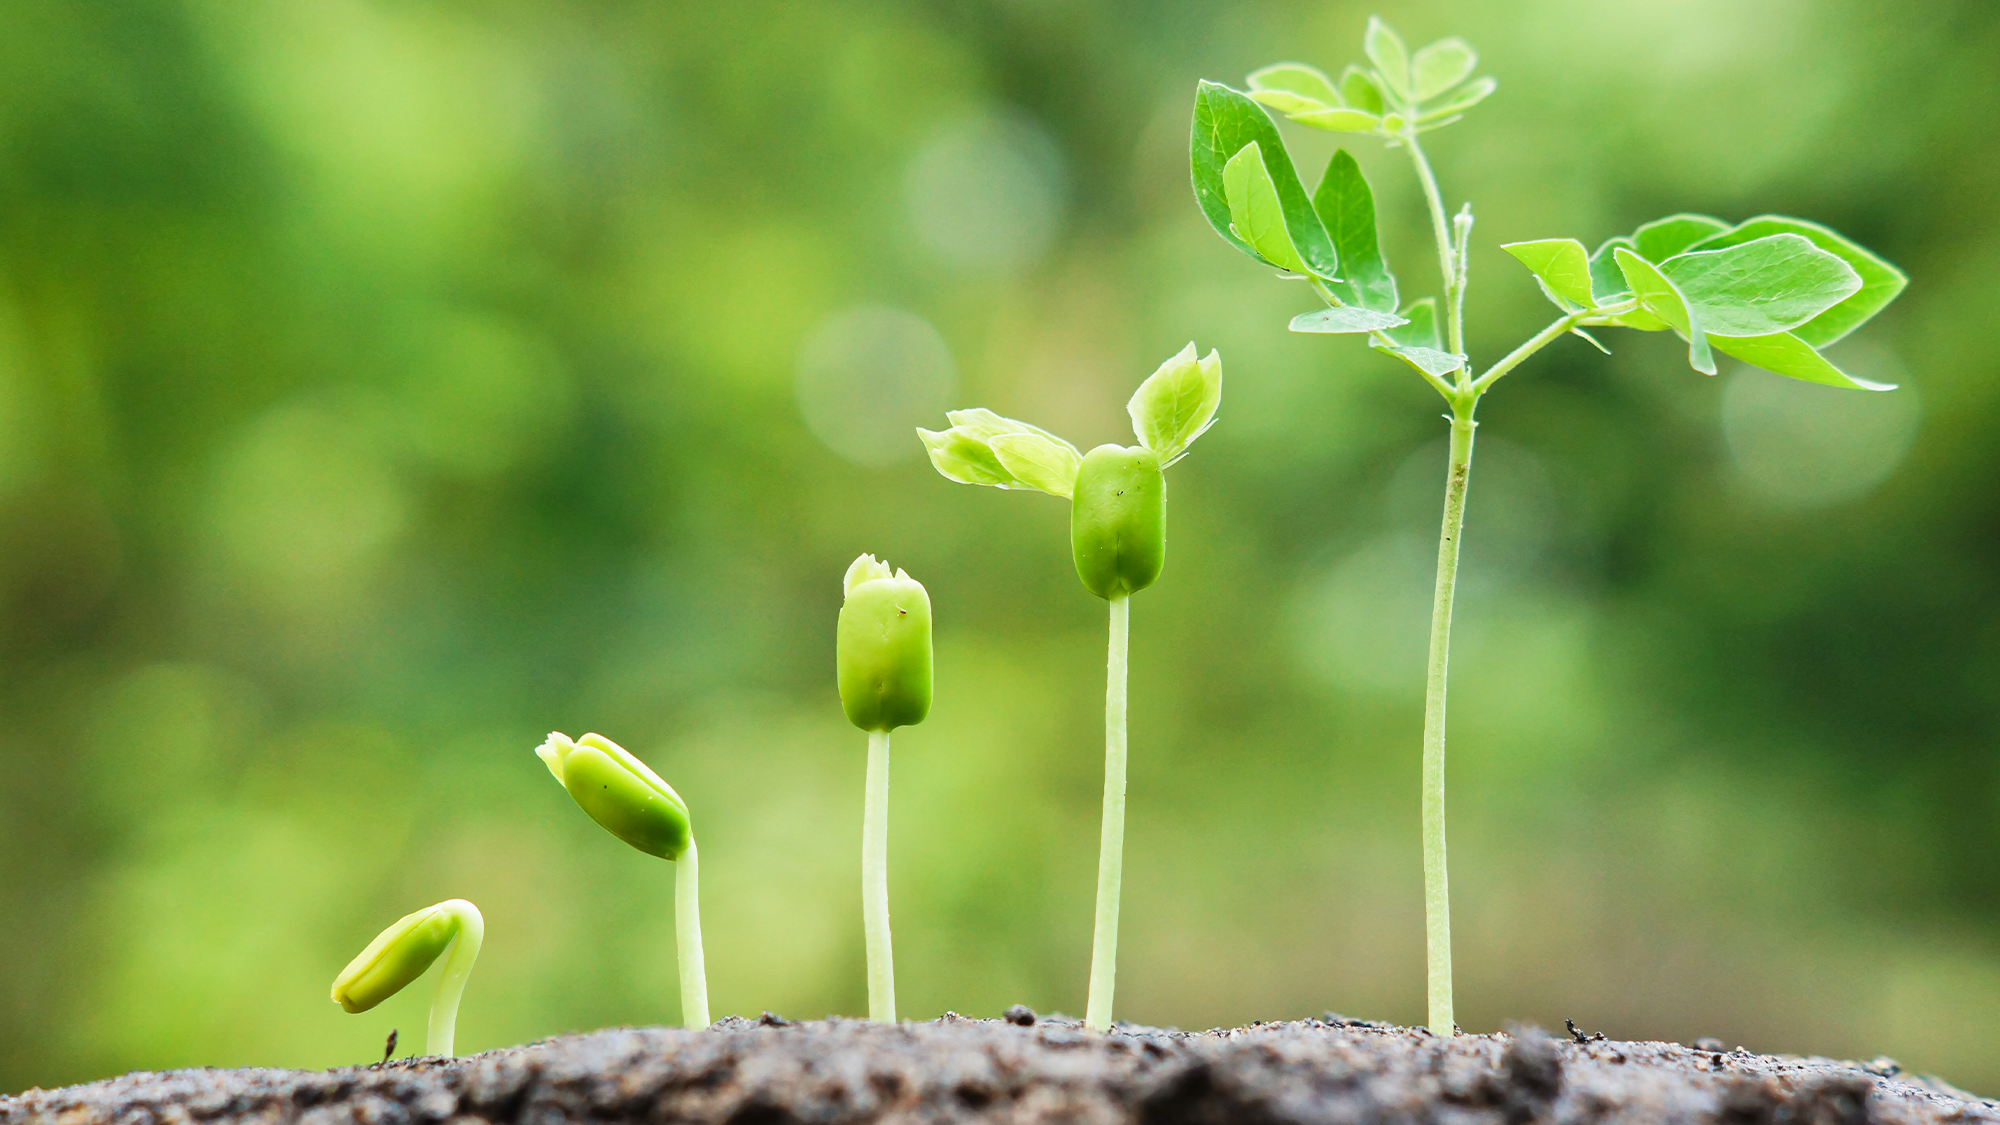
x=401 y=953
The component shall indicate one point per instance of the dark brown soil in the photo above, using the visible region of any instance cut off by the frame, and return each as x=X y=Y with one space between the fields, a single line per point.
x=772 y=1072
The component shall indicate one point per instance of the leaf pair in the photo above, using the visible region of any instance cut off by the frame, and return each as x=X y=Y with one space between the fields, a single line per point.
x=1173 y=407
x=1425 y=90
x=1770 y=291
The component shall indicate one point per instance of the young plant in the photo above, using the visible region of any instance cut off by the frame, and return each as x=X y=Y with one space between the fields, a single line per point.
x=401 y=953
x=632 y=803
x=1771 y=292
x=1118 y=539
x=883 y=665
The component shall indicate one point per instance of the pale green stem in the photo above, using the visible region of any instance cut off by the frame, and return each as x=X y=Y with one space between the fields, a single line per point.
x=875 y=882
x=1441 y=231
x=687 y=938
x=1437 y=887
x=458 y=959
x=1546 y=337
x=1111 y=836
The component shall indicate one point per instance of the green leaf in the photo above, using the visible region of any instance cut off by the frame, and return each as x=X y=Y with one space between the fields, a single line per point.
x=1038 y=462
x=1786 y=354
x=1392 y=60
x=1346 y=208
x=1346 y=318
x=1176 y=403
x=1660 y=298
x=1771 y=284
x=1360 y=90
x=1562 y=264
x=1298 y=79
x=1421 y=329
x=1440 y=66
x=1286 y=102
x=1338 y=120
x=1224 y=122
x=1663 y=238
x=1255 y=212
x=1476 y=91
x=985 y=425
x=1880 y=281
x=1607 y=283
x=961 y=457
x=1592 y=340
x=1431 y=361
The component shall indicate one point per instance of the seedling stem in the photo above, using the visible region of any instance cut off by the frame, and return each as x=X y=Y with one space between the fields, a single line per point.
x=687 y=938
x=875 y=882
x=1111 y=838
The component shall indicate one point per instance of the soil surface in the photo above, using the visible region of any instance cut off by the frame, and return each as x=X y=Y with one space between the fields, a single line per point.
x=774 y=1072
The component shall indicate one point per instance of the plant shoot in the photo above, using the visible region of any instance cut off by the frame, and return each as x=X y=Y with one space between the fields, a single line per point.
x=400 y=954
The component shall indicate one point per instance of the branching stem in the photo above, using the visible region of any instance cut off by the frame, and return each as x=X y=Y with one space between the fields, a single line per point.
x=1111 y=837
x=875 y=882
x=687 y=938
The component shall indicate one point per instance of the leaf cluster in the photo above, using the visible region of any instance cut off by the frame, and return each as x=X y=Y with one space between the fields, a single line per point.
x=1173 y=407
x=1404 y=92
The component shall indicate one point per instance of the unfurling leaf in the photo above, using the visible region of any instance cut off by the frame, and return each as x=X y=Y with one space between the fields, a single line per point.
x=1339 y=119
x=1476 y=91
x=1346 y=318
x=1607 y=282
x=1663 y=238
x=961 y=457
x=1297 y=79
x=1421 y=331
x=1224 y=122
x=1176 y=403
x=1880 y=281
x=1440 y=66
x=1256 y=213
x=984 y=424
x=1392 y=60
x=1786 y=354
x=1659 y=297
x=1562 y=264
x=1360 y=90
x=1038 y=462
x=1764 y=286
x=1347 y=209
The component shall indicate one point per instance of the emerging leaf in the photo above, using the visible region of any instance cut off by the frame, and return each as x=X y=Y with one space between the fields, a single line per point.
x=961 y=457
x=1255 y=212
x=1392 y=60
x=1660 y=298
x=1176 y=403
x=1880 y=281
x=1038 y=462
x=1561 y=263
x=1346 y=318
x=1297 y=79
x=1347 y=209
x=985 y=425
x=1358 y=87
x=1786 y=354
x=1440 y=66
x=1224 y=122
x=1340 y=119
x=1421 y=331
x=1428 y=360
x=1663 y=238
x=1607 y=282
x=1476 y=91
x=1767 y=285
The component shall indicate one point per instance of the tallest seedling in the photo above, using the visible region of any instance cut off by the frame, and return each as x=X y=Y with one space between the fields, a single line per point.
x=1770 y=292
x=1118 y=538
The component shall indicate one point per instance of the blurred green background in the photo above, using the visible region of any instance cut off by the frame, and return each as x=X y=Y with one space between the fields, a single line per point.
x=383 y=385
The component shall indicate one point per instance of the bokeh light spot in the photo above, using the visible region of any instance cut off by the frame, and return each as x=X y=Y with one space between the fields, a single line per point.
x=868 y=377
x=1801 y=445
x=986 y=193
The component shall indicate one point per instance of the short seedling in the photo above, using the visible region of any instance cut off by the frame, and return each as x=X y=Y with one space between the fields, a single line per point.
x=1771 y=292
x=631 y=802
x=401 y=953
x=883 y=665
x=1118 y=539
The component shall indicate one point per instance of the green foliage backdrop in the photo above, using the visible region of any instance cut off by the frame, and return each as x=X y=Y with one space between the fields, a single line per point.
x=383 y=385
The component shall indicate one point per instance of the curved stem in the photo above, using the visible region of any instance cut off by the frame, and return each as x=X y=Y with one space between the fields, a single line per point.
x=1111 y=836
x=458 y=959
x=687 y=938
x=875 y=882
x=1546 y=337
x=1441 y=231
x=1437 y=890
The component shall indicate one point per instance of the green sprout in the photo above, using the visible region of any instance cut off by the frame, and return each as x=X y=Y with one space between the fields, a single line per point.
x=1118 y=538
x=1771 y=292
x=632 y=803
x=401 y=953
x=883 y=663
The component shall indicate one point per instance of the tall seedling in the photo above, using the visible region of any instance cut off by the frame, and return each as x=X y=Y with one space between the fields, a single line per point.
x=1118 y=540
x=1771 y=292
